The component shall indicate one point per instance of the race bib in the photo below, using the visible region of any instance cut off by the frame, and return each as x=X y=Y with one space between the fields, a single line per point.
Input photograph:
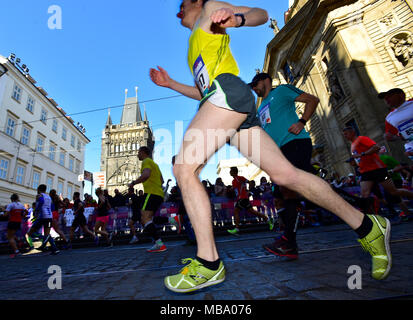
x=201 y=75
x=406 y=130
x=69 y=217
x=265 y=116
x=357 y=160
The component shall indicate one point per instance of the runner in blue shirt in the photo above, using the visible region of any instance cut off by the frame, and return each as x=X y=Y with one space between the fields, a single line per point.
x=278 y=117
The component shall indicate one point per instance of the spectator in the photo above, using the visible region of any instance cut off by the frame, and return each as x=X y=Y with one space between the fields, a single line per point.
x=255 y=192
x=135 y=204
x=109 y=197
x=219 y=188
x=118 y=200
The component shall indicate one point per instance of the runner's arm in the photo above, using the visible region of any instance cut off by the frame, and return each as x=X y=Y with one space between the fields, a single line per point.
x=146 y=173
x=311 y=103
x=161 y=78
x=223 y=14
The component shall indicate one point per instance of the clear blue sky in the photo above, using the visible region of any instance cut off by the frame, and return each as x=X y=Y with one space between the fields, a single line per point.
x=105 y=47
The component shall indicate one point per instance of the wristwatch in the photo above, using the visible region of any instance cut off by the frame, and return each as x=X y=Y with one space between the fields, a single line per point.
x=303 y=121
x=242 y=19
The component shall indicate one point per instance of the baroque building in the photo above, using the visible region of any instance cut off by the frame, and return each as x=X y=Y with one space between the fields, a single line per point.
x=120 y=145
x=345 y=52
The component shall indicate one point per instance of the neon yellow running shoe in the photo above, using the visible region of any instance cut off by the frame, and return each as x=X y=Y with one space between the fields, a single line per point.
x=377 y=243
x=194 y=276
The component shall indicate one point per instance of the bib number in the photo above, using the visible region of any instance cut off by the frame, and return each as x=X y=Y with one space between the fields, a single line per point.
x=201 y=75
x=406 y=130
x=265 y=116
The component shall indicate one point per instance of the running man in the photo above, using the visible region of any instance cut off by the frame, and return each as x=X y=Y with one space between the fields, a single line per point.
x=239 y=183
x=279 y=119
x=15 y=212
x=56 y=207
x=44 y=213
x=152 y=180
x=365 y=152
x=399 y=122
x=80 y=219
x=228 y=106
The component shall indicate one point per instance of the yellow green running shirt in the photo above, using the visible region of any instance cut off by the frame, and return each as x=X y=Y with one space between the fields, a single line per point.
x=209 y=55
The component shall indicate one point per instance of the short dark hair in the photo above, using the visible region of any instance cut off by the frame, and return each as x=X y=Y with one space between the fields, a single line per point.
x=234 y=169
x=203 y=1
x=259 y=77
x=42 y=188
x=14 y=197
x=349 y=128
x=146 y=150
x=76 y=194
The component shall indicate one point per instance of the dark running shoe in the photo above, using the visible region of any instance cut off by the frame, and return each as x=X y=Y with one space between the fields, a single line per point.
x=282 y=248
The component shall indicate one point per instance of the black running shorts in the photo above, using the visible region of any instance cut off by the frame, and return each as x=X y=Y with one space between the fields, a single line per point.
x=243 y=204
x=299 y=152
x=79 y=221
x=379 y=175
x=152 y=202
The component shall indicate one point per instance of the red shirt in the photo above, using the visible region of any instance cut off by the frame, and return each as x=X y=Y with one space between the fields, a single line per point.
x=369 y=162
x=239 y=185
x=15 y=210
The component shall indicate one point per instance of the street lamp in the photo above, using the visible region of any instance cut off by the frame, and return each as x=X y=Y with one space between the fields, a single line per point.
x=3 y=70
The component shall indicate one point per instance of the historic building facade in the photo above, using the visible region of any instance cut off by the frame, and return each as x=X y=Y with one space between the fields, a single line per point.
x=120 y=145
x=39 y=142
x=345 y=52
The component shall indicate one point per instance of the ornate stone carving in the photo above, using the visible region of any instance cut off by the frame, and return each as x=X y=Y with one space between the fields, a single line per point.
x=334 y=88
x=402 y=46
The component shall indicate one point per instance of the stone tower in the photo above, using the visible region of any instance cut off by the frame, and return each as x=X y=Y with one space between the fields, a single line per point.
x=120 y=145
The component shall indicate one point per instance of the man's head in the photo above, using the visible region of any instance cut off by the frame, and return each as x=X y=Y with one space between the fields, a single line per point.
x=76 y=195
x=233 y=171
x=261 y=84
x=394 y=97
x=349 y=133
x=14 y=197
x=189 y=12
x=42 y=188
x=131 y=190
x=99 y=192
x=143 y=153
x=116 y=191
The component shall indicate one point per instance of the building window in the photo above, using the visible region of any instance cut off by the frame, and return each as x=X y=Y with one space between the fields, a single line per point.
x=52 y=151
x=288 y=74
x=77 y=170
x=30 y=104
x=54 y=126
x=64 y=133
x=43 y=116
x=40 y=144
x=4 y=168
x=72 y=141
x=36 y=179
x=62 y=158
x=71 y=163
x=25 y=136
x=17 y=93
x=69 y=191
x=11 y=126
x=60 y=188
x=49 y=183
x=20 y=174
x=79 y=146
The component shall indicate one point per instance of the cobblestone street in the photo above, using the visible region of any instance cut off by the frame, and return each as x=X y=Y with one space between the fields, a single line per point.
x=129 y=272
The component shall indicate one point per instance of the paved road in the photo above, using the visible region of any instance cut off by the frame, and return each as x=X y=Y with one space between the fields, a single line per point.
x=129 y=272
